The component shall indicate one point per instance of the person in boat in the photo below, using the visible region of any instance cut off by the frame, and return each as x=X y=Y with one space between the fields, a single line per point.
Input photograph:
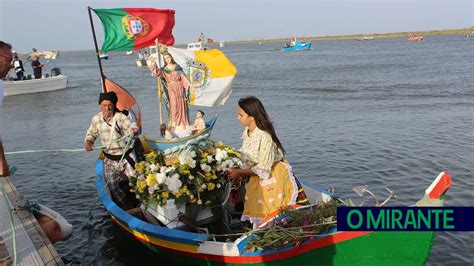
x=177 y=83
x=37 y=67
x=5 y=61
x=111 y=126
x=199 y=123
x=271 y=183
x=18 y=67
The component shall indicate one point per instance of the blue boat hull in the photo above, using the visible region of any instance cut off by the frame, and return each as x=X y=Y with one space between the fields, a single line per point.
x=162 y=144
x=298 y=46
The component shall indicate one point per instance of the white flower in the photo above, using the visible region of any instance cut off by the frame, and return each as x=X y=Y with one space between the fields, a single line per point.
x=227 y=164
x=160 y=178
x=173 y=183
x=153 y=168
x=199 y=202
x=237 y=161
x=140 y=177
x=210 y=159
x=191 y=196
x=203 y=186
x=206 y=168
x=191 y=177
x=218 y=185
x=221 y=155
x=137 y=196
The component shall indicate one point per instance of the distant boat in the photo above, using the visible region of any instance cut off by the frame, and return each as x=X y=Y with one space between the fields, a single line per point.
x=296 y=45
x=366 y=38
x=222 y=44
x=56 y=81
x=196 y=46
x=104 y=56
x=259 y=42
x=415 y=38
x=129 y=52
x=469 y=34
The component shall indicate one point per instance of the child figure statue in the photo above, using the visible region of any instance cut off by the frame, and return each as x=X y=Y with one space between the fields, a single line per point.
x=199 y=123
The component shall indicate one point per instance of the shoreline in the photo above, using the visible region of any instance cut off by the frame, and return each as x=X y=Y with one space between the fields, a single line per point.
x=360 y=36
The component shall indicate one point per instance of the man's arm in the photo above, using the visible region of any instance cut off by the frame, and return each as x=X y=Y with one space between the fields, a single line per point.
x=3 y=162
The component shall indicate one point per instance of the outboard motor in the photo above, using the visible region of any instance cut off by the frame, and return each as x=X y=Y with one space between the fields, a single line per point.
x=55 y=72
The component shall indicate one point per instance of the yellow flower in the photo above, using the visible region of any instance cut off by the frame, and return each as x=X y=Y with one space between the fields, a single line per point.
x=214 y=176
x=207 y=202
x=151 y=179
x=185 y=172
x=178 y=194
x=141 y=185
x=204 y=155
x=150 y=155
x=165 y=194
x=139 y=167
x=210 y=186
x=193 y=200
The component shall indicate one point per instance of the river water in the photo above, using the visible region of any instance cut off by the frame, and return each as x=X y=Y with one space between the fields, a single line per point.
x=383 y=113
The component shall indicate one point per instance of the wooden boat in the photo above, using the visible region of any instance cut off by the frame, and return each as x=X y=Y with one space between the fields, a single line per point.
x=162 y=144
x=49 y=83
x=333 y=248
x=296 y=45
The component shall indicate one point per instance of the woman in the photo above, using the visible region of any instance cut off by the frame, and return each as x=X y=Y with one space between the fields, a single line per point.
x=271 y=185
x=177 y=83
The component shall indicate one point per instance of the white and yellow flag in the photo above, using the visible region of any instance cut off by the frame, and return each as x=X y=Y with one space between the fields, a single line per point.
x=210 y=72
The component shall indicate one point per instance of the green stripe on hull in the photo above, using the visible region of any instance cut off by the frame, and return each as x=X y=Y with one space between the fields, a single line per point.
x=377 y=248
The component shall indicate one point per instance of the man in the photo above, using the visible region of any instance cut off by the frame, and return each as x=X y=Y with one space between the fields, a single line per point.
x=5 y=61
x=18 y=66
x=37 y=67
x=111 y=126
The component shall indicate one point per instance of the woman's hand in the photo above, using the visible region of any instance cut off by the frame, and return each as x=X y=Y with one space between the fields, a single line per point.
x=233 y=174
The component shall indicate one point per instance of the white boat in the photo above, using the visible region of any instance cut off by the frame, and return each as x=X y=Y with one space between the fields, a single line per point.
x=222 y=44
x=50 y=83
x=196 y=46
x=129 y=52
x=104 y=56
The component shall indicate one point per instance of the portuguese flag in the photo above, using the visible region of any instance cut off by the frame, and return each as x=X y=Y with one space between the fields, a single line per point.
x=135 y=28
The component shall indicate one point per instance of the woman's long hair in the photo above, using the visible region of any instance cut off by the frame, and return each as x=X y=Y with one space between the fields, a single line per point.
x=252 y=106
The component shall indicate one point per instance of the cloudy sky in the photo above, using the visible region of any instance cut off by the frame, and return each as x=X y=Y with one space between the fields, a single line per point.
x=64 y=24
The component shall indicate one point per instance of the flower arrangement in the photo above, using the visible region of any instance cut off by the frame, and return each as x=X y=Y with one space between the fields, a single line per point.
x=195 y=176
x=294 y=226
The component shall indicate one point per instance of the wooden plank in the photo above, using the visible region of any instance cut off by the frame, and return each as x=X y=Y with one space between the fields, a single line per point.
x=39 y=239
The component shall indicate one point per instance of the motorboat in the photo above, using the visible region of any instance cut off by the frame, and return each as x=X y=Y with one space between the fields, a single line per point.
x=48 y=82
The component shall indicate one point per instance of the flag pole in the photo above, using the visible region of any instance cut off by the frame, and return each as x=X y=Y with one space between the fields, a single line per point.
x=159 y=83
x=102 y=77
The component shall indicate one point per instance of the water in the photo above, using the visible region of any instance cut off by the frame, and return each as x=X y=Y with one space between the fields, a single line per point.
x=383 y=113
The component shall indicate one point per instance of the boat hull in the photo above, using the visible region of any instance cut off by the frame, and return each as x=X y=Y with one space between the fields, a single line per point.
x=298 y=46
x=338 y=248
x=35 y=85
x=162 y=144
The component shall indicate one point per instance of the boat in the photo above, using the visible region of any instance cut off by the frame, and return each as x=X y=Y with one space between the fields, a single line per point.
x=415 y=38
x=296 y=45
x=163 y=144
x=129 y=52
x=366 y=38
x=55 y=81
x=330 y=248
x=104 y=56
x=469 y=34
x=196 y=46
x=222 y=44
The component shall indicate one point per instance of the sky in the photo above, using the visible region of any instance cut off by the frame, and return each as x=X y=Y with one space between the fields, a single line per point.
x=64 y=24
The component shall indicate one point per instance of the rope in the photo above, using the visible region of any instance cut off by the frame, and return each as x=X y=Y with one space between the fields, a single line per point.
x=63 y=150
x=12 y=224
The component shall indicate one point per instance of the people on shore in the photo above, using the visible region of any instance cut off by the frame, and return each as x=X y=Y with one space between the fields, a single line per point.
x=271 y=184
x=113 y=127
x=37 y=67
x=177 y=83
